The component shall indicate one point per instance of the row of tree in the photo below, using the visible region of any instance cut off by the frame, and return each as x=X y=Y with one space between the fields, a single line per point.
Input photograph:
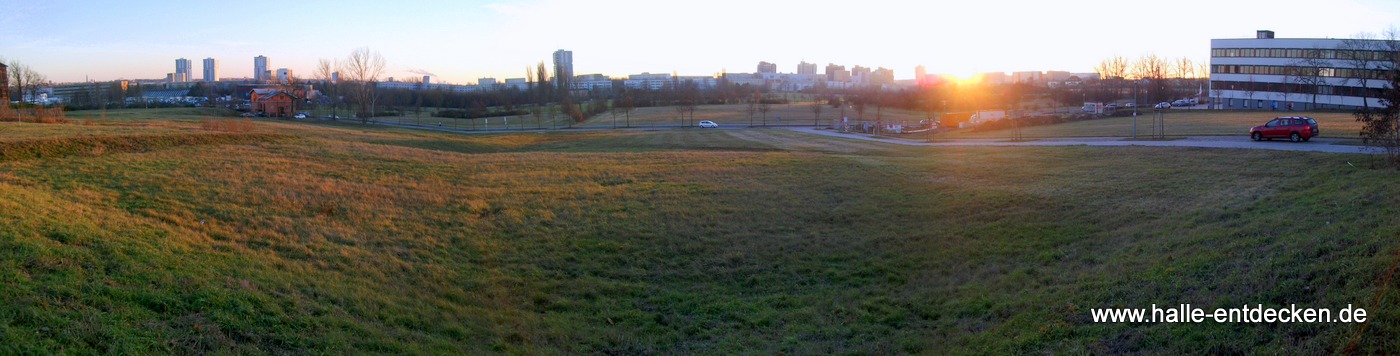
x=23 y=79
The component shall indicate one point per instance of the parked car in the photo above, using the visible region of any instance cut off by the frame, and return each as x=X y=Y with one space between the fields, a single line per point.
x=708 y=124
x=1130 y=105
x=247 y=114
x=299 y=116
x=1181 y=102
x=1110 y=107
x=1163 y=105
x=1295 y=128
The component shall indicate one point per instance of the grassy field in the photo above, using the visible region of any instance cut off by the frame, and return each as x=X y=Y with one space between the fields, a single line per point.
x=1179 y=123
x=339 y=238
x=737 y=114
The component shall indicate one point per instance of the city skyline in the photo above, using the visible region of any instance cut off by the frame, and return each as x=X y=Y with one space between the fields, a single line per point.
x=459 y=42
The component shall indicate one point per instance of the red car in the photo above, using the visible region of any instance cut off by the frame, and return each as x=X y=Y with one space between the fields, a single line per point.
x=1294 y=128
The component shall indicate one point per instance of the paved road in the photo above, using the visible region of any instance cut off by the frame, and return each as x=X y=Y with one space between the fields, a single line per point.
x=1316 y=145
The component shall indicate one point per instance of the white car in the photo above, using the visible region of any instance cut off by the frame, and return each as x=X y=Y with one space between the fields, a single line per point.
x=300 y=116
x=708 y=124
x=1163 y=105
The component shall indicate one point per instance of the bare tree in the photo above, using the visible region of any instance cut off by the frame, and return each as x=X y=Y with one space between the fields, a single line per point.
x=764 y=107
x=363 y=68
x=1249 y=92
x=817 y=112
x=1185 y=70
x=679 y=106
x=1308 y=73
x=325 y=70
x=1113 y=67
x=1154 y=69
x=752 y=108
x=1357 y=53
x=17 y=77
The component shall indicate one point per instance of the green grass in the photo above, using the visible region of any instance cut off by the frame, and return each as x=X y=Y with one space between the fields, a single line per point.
x=1178 y=123
x=799 y=113
x=362 y=239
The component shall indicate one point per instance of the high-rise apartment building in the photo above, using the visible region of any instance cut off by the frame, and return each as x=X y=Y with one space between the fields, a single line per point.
x=882 y=76
x=260 y=68
x=285 y=75
x=563 y=65
x=835 y=73
x=860 y=75
x=806 y=68
x=211 y=70
x=184 y=66
x=765 y=67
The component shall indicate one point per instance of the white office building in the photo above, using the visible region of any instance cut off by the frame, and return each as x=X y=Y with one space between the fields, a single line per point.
x=1270 y=73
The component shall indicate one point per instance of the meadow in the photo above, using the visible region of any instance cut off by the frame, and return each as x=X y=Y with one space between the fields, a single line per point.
x=332 y=237
x=796 y=113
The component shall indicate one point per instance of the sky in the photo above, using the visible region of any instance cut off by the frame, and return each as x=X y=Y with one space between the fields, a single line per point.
x=460 y=41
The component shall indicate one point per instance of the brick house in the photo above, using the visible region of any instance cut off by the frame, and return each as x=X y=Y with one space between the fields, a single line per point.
x=4 y=84
x=275 y=103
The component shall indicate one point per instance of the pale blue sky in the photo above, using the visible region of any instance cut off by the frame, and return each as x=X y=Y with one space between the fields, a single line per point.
x=460 y=41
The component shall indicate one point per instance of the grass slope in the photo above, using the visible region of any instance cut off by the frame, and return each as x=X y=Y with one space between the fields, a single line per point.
x=355 y=239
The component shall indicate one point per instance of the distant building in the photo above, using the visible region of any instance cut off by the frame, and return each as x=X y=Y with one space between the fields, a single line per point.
x=335 y=77
x=860 y=75
x=647 y=81
x=1031 y=77
x=591 y=82
x=260 y=69
x=183 y=67
x=427 y=80
x=517 y=83
x=765 y=67
x=806 y=68
x=89 y=94
x=176 y=78
x=274 y=102
x=285 y=75
x=486 y=82
x=700 y=81
x=882 y=76
x=921 y=75
x=835 y=73
x=563 y=64
x=4 y=84
x=211 y=70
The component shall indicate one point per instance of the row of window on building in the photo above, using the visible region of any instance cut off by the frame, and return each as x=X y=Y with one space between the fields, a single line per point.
x=1301 y=53
x=1297 y=71
x=1295 y=88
